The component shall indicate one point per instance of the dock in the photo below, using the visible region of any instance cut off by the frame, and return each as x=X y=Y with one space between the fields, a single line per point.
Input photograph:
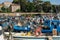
x=17 y=36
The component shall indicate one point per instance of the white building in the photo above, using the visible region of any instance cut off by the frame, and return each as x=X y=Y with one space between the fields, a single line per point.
x=14 y=7
x=7 y=4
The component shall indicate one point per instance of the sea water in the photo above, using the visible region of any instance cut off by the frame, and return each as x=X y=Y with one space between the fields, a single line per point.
x=28 y=39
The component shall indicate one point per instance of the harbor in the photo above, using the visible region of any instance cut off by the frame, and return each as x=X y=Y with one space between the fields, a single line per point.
x=29 y=20
x=30 y=26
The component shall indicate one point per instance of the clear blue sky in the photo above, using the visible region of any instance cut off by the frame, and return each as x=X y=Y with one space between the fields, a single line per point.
x=57 y=2
x=1 y=1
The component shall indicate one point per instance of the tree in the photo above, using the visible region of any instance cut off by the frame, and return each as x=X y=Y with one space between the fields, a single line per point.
x=38 y=8
x=5 y=9
x=46 y=6
x=22 y=4
x=16 y=1
x=53 y=8
x=38 y=5
x=30 y=7
x=18 y=10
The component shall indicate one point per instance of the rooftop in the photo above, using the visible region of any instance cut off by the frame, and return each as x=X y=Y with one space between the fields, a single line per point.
x=14 y=4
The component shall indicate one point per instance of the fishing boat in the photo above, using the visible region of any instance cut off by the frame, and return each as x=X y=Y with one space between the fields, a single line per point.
x=32 y=29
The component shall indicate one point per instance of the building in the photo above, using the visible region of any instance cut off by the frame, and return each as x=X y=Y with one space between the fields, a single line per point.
x=7 y=4
x=14 y=7
x=11 y=6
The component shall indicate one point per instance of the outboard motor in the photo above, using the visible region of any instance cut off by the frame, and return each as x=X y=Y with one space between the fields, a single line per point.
x=1 y=34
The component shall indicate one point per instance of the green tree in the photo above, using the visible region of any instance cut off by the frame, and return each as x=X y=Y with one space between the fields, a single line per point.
x=5 y=9
x=22 y=4
x=47 y=6
x=16 y=1
x=18 y=10
x=30 y=7
x=38 y=6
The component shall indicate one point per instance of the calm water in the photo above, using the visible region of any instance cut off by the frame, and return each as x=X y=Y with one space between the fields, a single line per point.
x=28 y=39
x=56 y=38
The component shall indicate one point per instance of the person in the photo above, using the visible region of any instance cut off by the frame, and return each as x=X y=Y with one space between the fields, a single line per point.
x=38 y=31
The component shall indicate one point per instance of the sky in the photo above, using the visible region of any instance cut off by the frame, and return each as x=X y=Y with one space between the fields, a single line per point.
x=1 y=1
x=57 y=2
